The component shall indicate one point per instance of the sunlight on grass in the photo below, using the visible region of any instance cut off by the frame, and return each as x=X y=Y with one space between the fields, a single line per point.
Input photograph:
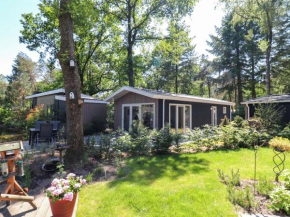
x=174 y=185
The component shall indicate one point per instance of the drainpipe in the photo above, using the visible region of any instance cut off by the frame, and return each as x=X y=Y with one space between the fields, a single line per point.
x=231 y=113
x=248 y=111
x=163 y=115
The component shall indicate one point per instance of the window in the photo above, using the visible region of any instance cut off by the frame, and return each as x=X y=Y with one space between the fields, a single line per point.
x=180 y=117
x=139 y=112
x=224 y=110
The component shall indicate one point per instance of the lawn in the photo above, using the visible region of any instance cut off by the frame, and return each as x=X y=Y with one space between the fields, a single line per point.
x=174 y=185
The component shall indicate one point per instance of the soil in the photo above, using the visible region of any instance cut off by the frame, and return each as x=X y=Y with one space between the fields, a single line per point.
x=263 y=202
x=40 y=180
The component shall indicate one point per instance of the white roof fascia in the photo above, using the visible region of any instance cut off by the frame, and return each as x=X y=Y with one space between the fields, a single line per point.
x=61 y=90
x=62 y=98
x=130 y=89
x=264 y=102
x=194 y=99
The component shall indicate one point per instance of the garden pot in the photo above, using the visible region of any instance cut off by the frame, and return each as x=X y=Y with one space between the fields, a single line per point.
x=63 y=208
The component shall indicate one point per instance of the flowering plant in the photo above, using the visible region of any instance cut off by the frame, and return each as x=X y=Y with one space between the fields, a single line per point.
x=64 y=189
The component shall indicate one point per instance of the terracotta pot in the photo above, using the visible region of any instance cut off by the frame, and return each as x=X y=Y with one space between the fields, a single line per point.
x=63 y=208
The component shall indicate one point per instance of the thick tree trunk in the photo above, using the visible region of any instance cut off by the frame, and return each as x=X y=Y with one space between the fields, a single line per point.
x=130 y=66
x=72 y=84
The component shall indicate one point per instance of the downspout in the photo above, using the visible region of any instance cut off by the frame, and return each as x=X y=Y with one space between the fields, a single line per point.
x=163 y=115
x=231 y=112
x=248 y=112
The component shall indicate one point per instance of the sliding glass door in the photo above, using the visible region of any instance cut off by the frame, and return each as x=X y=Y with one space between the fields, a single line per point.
x=180 y=117
x=138 y=112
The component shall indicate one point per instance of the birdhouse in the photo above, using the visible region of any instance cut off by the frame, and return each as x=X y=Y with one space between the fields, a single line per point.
x=72 y=63
x=71 y=95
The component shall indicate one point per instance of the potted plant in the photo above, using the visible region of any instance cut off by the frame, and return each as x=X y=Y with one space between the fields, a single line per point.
x=62 y=194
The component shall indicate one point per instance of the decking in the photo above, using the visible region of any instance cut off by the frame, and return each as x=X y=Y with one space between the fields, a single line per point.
x=18 y=209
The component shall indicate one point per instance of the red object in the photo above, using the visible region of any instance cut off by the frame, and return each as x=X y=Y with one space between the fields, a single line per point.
x=63 y=208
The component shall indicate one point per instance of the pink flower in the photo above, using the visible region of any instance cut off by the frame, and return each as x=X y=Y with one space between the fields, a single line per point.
x=57 y=192
x=83 y=181
x=68 y=196
x=71 y=175
x=65 y=188
x=55 y=182
x=51 y=189
x=65 y=182
x=77 y=185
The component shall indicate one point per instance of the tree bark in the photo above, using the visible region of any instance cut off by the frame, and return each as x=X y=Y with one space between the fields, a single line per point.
x=176 y=78
x=253 y=80
x=268 y=54
x=72 y=84
x=239 y=78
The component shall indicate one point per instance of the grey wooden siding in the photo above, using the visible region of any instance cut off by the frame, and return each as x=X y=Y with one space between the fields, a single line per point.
x=90 y=111
x=131 y=98
x=201 y=113
x=45 y=100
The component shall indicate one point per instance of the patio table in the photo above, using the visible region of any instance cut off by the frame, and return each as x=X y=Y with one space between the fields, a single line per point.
x=33 y=133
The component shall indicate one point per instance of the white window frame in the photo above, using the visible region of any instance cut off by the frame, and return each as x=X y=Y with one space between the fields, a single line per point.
x=213 y=120
x=224 y=110
x=176 y=115
x=131 y=111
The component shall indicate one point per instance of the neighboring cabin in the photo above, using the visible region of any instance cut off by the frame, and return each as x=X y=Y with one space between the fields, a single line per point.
x=54 y=105
x=280 y=100
x=155 y=108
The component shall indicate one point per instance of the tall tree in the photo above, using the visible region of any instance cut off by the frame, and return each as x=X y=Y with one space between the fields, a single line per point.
x=72 y=85
x=137 y=19
x=265 y=13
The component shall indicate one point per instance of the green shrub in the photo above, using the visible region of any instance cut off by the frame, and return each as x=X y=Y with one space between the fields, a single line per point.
x=287 y=179
x=225 y=121
x=95 y=126
x=89 y=178
x=265 y=186
x=241 y=197
x=176 y=138
x=106 y=146
x=140 y=139
x=285 y=133
x=233 y=180
x=270 y=115
x=27 y=176
x=164 y=139
x=280 y=200
x=238 y=121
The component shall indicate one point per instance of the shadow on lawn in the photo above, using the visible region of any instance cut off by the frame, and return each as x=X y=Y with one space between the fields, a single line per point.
x=146 y=170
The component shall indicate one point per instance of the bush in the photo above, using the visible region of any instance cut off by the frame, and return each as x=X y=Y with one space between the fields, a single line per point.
x=35 y=114
x=176 y=138
x=164 y=139
x=233 y=180
x=285 y=133
x=265 y=186
x=95 y=126
x=270 y=115
x=280 y=199
x=140 y=139
x=238 y=121
x=241 y=197
x=106 y=146
x=280 y=143
x=225 y=121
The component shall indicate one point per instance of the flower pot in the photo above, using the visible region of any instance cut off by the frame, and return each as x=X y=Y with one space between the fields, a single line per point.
x=63 y=208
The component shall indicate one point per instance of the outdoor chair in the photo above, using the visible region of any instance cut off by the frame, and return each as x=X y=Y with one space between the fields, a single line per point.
x=38 y=123
x=55 y=128
x=45 y=133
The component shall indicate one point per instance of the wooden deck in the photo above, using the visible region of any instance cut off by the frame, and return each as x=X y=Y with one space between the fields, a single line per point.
x=18 y=209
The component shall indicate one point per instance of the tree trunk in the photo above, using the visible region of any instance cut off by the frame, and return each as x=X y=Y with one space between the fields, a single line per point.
x=268 y=54
x=130 y=47
x=253 y=80
x=72 y=84
x=176 y=78
x=239 y=78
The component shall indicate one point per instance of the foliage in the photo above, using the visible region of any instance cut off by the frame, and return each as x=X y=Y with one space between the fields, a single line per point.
x=280 y=199
x=270 y=115
x=233 y=180
x=107 y=147
x=265 y=186
x=95 y=126
x=206 y=136
x=280 y=143
x=285 y=133
x=238 y=121
x=110 y=116
x=27 y=176
x=177 y=137
x=35 y=114
x=286 y=174
x=225 y=121
x=241 y=197
x=164 y=139
x=140 y=139
x=64 y=189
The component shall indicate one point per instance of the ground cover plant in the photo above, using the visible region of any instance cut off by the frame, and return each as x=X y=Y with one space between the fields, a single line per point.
x=174 y=185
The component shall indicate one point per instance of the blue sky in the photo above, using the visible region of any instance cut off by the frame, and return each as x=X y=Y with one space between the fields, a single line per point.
x=202 y=23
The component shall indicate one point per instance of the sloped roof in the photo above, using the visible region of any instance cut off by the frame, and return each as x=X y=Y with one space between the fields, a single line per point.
x=57 y=91
x=86 y=100
x=157 y=94
x=269 y=99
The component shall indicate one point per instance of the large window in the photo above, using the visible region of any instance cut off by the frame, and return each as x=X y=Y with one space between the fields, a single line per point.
x=180 y=117
x=139 y=112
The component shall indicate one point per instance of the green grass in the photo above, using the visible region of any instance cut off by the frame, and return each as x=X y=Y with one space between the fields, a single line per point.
x=174 y=185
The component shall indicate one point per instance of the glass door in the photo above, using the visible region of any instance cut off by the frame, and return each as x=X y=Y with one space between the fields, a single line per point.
x=181 y=127
x=126 y=118
x=180 y=118
x=213 y=116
